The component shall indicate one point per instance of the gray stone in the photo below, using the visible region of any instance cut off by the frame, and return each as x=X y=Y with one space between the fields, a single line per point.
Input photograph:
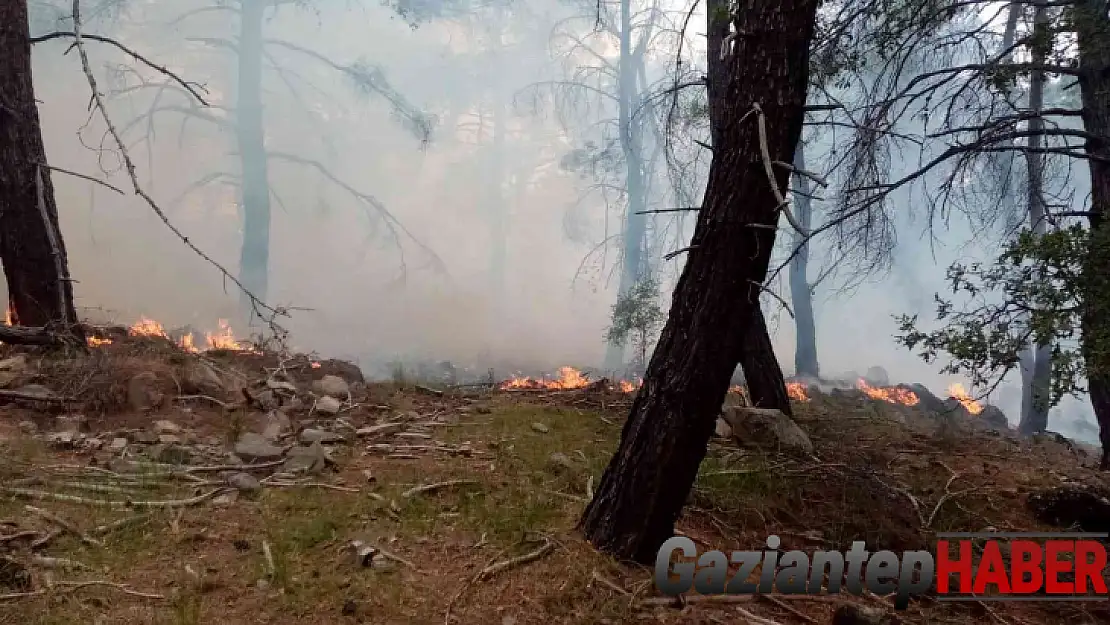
x=331 y=385
x=560 y=462
x=310 y=435
x=541 y=428
x=768 y=428
x=311 y=459
x=382 y=429
x=171 y=454
x=253 y=447
x=722 y=429
x=144 y=437
x=328 y=405
x=244 y=482
x=162 y=426
x=169 y=439
x=117 y=445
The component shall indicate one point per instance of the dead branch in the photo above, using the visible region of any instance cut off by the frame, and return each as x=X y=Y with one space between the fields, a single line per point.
x=108 y=528
x=129 y=165
x=611 y=585
x=30 y=335
x=167 y=503
x=505 y=565
x=64 y=524
x=427 y=488
x=65 y=564
x=32 y=397
x=75 y=174
x=77 y=35
x=765 y=152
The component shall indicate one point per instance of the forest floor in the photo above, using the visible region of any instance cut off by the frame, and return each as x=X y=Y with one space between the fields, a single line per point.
x=143 y=423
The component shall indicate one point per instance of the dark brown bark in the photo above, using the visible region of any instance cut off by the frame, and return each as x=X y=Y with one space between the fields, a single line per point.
x=642 y=491
x=1093 y=35
x=762 y=372
x=31 y=246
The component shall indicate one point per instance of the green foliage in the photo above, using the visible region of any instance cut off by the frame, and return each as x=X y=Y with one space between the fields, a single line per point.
x=638 y=317
x=1031 y=293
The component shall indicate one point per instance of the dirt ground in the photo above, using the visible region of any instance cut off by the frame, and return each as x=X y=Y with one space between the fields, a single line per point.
x=496 y=546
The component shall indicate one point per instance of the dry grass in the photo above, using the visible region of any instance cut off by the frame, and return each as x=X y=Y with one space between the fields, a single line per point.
x=209 y=562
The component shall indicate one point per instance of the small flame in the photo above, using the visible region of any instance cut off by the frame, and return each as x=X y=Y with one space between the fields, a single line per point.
x=797 y=391
x=8 y=315
x=957 y=392
x=224 y=339
x=95 y=341
x=315 y=365
x=890 y=394
x=628 y=387
x=569 y=378
x=147 y=327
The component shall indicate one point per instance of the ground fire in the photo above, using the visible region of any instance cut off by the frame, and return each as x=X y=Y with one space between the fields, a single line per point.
x=957 y=392
x=222 y=339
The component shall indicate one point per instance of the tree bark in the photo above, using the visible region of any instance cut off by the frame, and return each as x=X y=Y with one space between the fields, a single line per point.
x=254 y=257
x=801 y=294
x=1093 y=38
x=31 y=246
x=762 y=372
x=643 y=489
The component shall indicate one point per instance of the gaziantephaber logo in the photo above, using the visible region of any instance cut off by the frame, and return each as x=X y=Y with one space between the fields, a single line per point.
x=992 y=566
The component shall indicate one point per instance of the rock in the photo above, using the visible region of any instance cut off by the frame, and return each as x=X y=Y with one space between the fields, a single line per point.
x=171 y=454
x=877 y=376
x=169 y=439
x=201 y=378
x=992 y=416
x=281 y=385
x=1080 y=506
x=143 y=393
x=328 y=405
x=11 y=369
x=162 y=426
x=541 y=428
x=277 y=423
x=310 y=435
x=244 y=482
x=382 y=429
x=226 y=499
x=331 y=385
x=144 y=437
x=722 y=430
x=28 y=427
x=311 y=459
x=62 y=440
x=72 y=423
x=117 y=445
x=252 y=447
x=559 y=462
x=767 y=427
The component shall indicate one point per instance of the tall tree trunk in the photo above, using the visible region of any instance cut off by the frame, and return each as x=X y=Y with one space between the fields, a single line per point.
x=801 y=295
x=1037 y=362
x=31 y=246
x=1093 y=37
x=254 y=257
x=762 y=372
x=663 y=442
x=635 y=224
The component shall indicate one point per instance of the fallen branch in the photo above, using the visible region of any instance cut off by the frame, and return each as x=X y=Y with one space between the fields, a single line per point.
x=108 y=528
x=21 y=396
x=505 y=565
x=427 y=488
x=169 y=503
x=64 y=524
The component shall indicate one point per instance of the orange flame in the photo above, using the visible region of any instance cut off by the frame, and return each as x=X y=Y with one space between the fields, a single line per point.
x=797 y=391
x=222 y=339
x=8 y=315
x=315 y=365
x=956 y=391
x=95 y=341
x=569 y=378
x=890 y=394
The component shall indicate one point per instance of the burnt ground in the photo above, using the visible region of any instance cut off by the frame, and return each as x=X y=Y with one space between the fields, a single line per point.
x=278 y=549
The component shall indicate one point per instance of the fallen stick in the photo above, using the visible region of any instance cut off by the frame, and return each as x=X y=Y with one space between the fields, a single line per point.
x=271 y=569
x=60 y=563
x=755 y=619
x=611 y=585
x=49 y=399
x=64 y=524
x=101 y=530
x=170 y=503
x=505 y=565
x=235 y=467
x=427 y=488
x=345 y=489
x=18 y=536
x=42 y=542
x=428 y=391
x=779 y=603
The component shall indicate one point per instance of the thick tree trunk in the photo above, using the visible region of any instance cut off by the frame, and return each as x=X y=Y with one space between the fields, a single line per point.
x=31 y=246
x=1093 y=35
x=1036 y=362
x=643 y=489
x=762 y=373
x=801 y=295
x=254 y=257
